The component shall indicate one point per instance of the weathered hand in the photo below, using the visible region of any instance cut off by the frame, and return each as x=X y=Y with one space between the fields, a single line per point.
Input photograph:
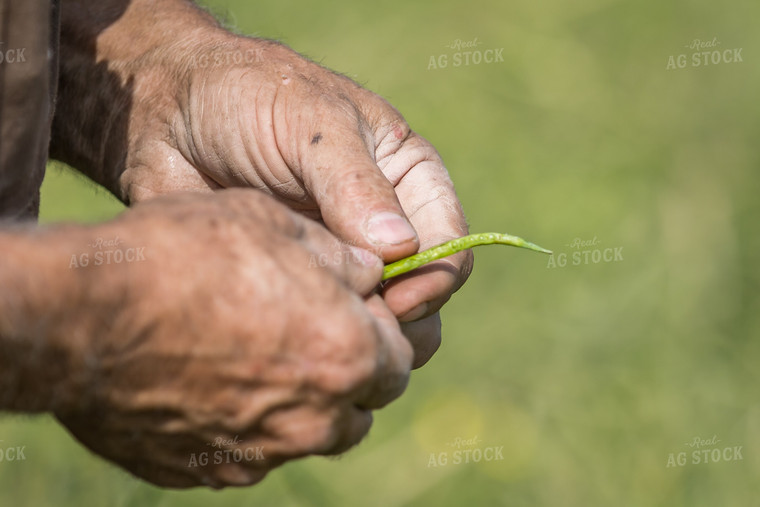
x=322 y=145
x=228 y=337
x=185 y=105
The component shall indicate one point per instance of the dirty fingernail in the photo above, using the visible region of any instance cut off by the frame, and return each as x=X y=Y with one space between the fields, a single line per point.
x=388 y=228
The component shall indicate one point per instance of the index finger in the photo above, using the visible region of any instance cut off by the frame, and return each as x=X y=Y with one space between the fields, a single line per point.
x=428 y=198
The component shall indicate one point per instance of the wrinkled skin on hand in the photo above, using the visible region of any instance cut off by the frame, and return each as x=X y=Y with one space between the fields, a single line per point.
x=229 y=330
x=317 y=142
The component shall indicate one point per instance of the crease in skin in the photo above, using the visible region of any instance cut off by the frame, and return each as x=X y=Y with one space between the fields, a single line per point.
x=194 y=127
x=367 y=135
x=294 y=191
x=390 y=142
x=394 y=177
x=238 y=149
x=252 y=154
x=282 y=167
x=406 y=159
x=439 y=195
x=177 y=179
x=224 y=150
x=210 y=181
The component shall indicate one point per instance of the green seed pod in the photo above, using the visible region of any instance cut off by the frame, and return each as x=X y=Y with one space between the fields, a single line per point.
x=456 y=245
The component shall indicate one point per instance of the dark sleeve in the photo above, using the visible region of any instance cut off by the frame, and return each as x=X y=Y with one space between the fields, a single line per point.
x=28 y=76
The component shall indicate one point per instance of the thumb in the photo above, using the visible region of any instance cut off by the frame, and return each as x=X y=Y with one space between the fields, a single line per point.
x=357 y=202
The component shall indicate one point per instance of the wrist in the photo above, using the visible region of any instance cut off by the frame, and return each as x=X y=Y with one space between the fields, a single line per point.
x=43 y=329
x=118 y=59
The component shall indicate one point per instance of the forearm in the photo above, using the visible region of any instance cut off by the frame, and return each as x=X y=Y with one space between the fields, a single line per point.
x=114 y=54
x=37 y=343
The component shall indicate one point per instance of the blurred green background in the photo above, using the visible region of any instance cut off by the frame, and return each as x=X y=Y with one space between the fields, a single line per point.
x=588 y=376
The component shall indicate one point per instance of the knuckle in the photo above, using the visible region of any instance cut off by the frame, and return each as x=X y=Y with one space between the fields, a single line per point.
x=350 y=355
x=313 y=431
x=422 y=149
x=324 y=435
x=335 y=109
x=360 y=185
x=345 y=378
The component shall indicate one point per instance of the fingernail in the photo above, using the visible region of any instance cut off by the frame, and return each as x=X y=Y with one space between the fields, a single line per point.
x=365 y=257
x=414 y=314
x=388 y=228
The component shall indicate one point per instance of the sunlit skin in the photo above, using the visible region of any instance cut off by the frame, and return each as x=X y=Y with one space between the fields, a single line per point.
x=222 y=329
